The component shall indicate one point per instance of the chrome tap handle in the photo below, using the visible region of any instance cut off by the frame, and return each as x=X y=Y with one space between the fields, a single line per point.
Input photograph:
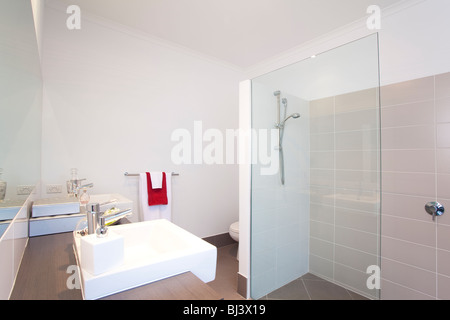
x=434 y=209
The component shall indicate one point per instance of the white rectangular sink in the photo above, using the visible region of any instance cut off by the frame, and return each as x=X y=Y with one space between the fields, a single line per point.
x=153 y=250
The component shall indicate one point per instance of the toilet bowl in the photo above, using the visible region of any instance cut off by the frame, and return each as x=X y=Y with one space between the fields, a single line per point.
x=234 y=234
x=234 y=231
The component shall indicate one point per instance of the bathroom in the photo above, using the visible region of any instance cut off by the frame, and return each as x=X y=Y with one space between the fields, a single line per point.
x=112 y=94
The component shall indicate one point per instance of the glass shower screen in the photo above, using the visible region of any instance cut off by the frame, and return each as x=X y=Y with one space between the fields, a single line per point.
x=323 y=217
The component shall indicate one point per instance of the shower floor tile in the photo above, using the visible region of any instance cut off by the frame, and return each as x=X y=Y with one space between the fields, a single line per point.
x=311 y=287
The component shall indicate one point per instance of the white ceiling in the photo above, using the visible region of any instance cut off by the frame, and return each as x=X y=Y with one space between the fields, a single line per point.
x=241 y=32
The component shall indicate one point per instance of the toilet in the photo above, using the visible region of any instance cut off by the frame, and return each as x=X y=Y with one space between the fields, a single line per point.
x=234 y=234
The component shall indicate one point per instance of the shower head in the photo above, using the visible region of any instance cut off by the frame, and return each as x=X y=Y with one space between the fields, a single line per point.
x=294 y=115
x=277 y=93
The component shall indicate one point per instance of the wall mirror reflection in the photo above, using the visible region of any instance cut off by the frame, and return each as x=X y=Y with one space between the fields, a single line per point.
x=20 y=108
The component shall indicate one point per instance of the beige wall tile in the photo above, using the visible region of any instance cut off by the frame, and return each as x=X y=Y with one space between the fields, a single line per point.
x=322 y=160
x=413 y=125
x=443 y=237
x=394 y=291
x=411 y=277
x=443 y=186
x=445 y=218
x=322 y=177
x=443 y=160
x=354 y=279
x=408 y=91
x=356 y=219
x=321 y=267
x=320 y=230
x=415 y=231
x=416 y=137
x=442 y=85
x=416 y=184
x=363 y=241
x=411 y=114
x=443 y=262
x=443 y=110
x=322 y=213
x=409 y=253
x=357 y=140
x=443 y=287
x=357 y=120
x=355 y=259
x=408 y=160
x=359 y=199
x=357 y=160
x=357 y=180
x=322 y=142
x=443 y=135
x=320 y=248
x=322 y=124
x=320 y=194
x=364 y=99
x=405 y=206
x=321 y=107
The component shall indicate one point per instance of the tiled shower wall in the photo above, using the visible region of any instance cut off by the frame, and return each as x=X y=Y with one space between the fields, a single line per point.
x=416 y=169
x=415 y=164
x=344 y=224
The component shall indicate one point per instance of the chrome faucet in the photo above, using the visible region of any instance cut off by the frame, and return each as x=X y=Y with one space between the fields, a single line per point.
x=77 y=187
x=97 y=220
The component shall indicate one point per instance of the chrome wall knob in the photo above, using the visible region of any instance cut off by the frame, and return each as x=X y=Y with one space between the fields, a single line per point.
x=434 y=209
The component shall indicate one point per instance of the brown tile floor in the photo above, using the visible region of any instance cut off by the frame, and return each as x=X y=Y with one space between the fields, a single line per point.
x=225 y=283
x=308 y=287
x=311 y=287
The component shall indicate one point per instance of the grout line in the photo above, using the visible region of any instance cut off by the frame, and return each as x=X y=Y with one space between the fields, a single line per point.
x=414 y=243
x=409 y=265
x=406 y=218
x=344 y=227
x=351 y=297
x=435 y=182
x=407 y=103
x=306 y=289
x=340 y=245
x=334 y=187
x=403 y=286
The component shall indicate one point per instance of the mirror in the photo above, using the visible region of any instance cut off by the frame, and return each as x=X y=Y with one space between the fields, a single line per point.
x=20 y=107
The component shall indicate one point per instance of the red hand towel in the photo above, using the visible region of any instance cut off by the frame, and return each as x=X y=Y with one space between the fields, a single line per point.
x=156 y=197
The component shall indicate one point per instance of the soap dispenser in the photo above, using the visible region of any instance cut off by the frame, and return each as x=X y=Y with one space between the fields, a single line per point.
x=2 y=186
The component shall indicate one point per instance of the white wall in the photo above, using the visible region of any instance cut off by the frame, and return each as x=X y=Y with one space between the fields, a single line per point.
x=113 y=97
